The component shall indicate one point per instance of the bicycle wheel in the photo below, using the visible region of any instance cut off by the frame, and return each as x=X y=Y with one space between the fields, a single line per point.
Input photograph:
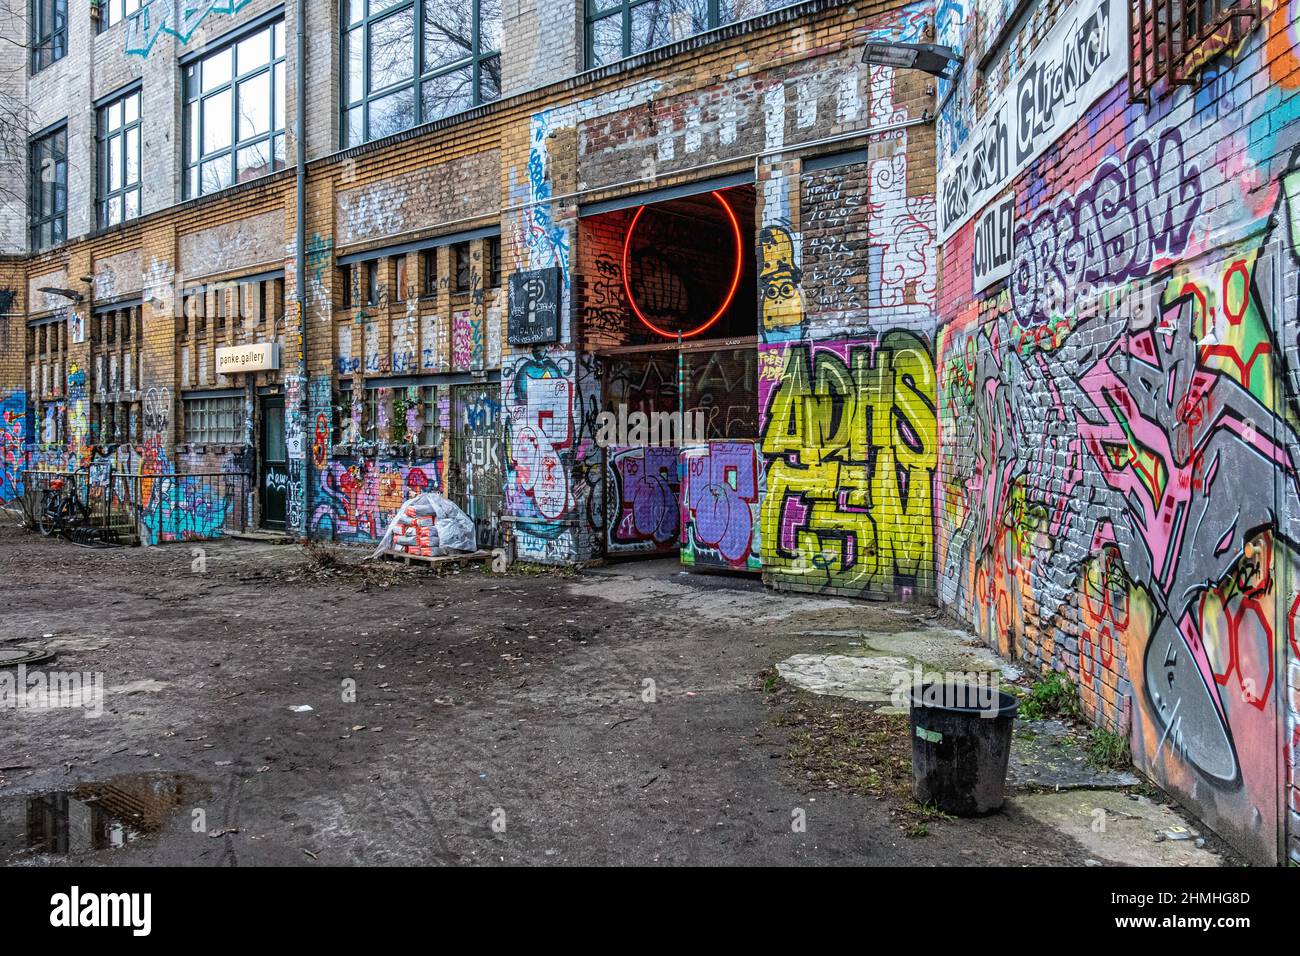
x=47 y=520
x=74 y=516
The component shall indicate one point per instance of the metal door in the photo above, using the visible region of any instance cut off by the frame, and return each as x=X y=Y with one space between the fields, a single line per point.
x=475 y=476
x=273 y=480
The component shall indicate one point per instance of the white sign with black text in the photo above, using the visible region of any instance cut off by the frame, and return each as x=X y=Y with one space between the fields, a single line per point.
x=235 y=359
x=1082 y=57
x=994 y=242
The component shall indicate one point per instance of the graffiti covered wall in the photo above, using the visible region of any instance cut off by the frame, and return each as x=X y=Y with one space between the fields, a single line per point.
x=1118 y=449
x=849 y=449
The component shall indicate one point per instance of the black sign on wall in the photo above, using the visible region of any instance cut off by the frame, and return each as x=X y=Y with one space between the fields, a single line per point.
x=534 y=307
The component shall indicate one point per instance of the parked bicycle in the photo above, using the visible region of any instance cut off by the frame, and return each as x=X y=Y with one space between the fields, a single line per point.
x=62 y=512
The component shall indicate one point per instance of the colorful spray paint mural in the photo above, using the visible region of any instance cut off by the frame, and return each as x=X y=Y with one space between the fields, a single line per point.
x=13 y=446
x=1119 y=467
x=722 y=486
x=848 y=442
x=553 y=496
x=642 y=486
x=356 y=498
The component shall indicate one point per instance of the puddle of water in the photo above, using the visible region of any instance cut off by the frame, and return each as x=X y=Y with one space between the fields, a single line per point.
x=89 y=817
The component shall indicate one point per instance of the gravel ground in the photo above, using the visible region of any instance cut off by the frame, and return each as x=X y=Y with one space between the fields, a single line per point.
x=497 y=718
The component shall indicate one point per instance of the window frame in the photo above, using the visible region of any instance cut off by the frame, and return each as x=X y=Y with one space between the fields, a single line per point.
x=595 y=11
x=211 y=430
x=104 y=193
x=107 y=7
x=474 y=61
x=193 y=96
x=48 y=40
x=37 y=216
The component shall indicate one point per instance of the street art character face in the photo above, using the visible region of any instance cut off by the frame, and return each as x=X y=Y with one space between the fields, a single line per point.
x=779 y=280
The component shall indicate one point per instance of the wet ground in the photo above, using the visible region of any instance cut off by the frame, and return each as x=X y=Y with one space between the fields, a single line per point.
x=262 y=704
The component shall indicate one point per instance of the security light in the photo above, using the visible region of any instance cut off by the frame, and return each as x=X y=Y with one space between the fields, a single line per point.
x=928 y=57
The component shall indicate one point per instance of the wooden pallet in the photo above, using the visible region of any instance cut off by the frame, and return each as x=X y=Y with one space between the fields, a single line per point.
x=444 y=560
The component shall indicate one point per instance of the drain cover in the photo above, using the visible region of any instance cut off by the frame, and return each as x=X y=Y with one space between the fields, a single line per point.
x=13 y=656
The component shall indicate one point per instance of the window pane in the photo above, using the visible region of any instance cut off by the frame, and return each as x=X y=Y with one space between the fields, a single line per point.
x=448 y=32
x=115 y=163
x=356 y=130
x=253 y=161
x=392 y=49
x=133 y=155
x=255 y=106
x=446 y=94
x=356 y=66
x=132 y=204
x=393 y=113
x=216 y=69
x=132 y=107
x=606 y=40
x=192 y=133
x=253 y=52
x=216 y=122
x=489 y=26
x=279 y=96
x=215 y=174
x=665 y=21
x=489 y=85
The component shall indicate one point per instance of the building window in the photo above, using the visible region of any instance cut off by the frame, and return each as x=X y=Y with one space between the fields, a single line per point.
x=623 y=28
x=49 y=192
x=115 y=11
x=1173 y=39
x=117 y=136
x=399 y=277
x=460 y=261
x=431 y=435
x=430 y=258
x=376 y=401
x=214 y=421
x=234 y=112
x=369 y=282
x=492 y=261
x=49 y=32
x=406 y=63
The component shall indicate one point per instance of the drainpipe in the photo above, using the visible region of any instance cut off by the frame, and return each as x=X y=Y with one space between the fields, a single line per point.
x=300 y=250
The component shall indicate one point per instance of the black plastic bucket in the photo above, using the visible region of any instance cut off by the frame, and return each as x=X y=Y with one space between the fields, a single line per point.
x=961 y=742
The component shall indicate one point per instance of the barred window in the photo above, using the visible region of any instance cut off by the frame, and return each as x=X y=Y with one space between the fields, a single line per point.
x=234 y=112
x=214 y=420
x=1172 y=40
x=117 y=129
x=412 y=62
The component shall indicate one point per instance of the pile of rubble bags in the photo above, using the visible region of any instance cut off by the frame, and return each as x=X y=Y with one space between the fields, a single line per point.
x=427 y=526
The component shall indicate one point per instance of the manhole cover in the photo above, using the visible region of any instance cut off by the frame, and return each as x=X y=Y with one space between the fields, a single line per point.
x=13 y=656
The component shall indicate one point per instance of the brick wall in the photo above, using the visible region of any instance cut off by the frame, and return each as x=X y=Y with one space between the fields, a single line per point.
x=1099 y=512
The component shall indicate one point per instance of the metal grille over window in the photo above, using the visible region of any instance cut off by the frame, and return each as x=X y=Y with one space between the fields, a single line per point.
x=1172 y=39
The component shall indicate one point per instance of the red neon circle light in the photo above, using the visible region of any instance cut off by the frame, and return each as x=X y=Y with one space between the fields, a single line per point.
x=731 y=292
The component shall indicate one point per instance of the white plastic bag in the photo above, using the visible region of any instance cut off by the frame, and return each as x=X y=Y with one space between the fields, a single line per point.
x=427 y=526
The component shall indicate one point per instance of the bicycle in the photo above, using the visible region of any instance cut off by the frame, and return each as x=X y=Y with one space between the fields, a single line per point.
x=63 y=513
